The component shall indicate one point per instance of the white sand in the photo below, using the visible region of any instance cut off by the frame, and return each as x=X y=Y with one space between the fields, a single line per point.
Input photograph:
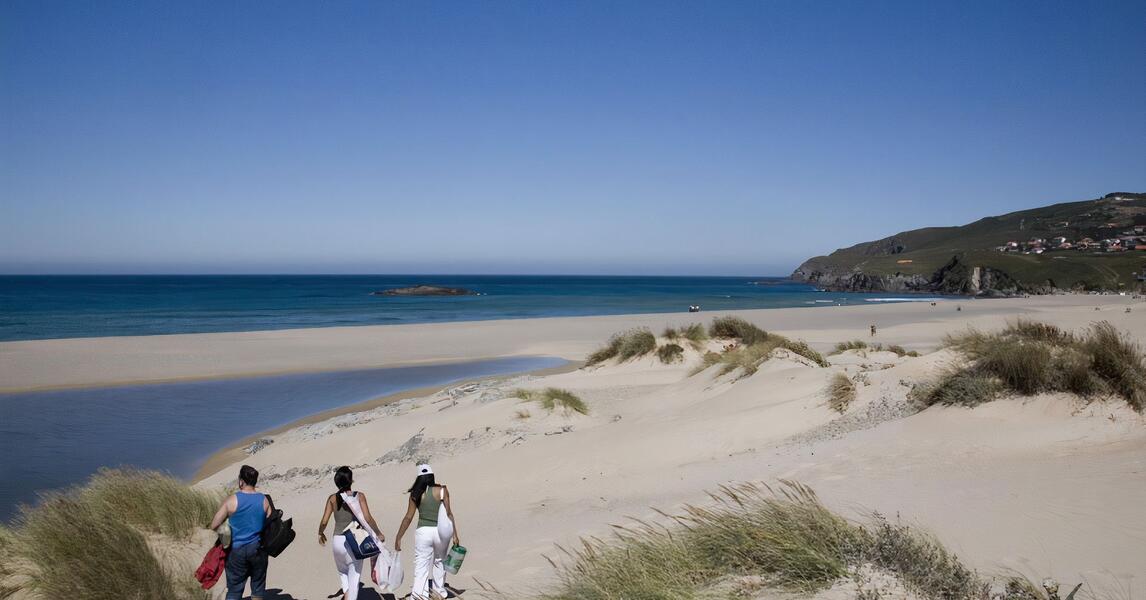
x=105 y=361
x=1045 y=486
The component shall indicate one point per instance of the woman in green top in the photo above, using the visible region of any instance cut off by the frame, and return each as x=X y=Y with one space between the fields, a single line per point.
x=431 y=538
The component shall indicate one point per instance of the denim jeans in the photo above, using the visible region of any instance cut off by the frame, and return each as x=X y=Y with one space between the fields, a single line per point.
x=247 y=560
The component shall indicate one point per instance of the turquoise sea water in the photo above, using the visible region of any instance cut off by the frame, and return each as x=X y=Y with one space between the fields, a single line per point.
x=43 y=307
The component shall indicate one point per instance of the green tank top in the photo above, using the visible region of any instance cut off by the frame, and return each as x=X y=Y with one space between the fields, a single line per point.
x=428 y=509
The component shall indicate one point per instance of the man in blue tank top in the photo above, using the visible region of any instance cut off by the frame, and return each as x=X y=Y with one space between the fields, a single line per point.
x=247 y=510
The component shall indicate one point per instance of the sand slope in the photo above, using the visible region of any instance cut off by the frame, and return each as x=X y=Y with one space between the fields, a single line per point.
x=1047 y=486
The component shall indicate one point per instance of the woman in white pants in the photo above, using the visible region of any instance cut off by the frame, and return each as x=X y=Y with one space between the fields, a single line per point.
x=432 y=537
x=349 y=568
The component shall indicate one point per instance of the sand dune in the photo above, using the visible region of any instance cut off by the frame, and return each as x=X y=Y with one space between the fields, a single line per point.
x=1047 y=486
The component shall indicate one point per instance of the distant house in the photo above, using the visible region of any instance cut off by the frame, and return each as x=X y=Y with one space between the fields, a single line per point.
x=1062 y=224
x=1140 y=247
x=904 y=261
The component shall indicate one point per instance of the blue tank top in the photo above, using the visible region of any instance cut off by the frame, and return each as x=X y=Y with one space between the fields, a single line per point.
x=248 y=519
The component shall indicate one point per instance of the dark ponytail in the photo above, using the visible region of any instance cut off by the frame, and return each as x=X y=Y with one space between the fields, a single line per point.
x=419 y=488
x=343 y=479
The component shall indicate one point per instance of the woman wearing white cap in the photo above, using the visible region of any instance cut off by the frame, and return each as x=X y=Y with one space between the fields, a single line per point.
x=434 y=533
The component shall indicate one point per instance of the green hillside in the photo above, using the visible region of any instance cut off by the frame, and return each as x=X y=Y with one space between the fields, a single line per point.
x=940 y=256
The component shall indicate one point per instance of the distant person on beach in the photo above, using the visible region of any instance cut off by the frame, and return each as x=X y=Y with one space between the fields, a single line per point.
x=873 y=331
x=432 y=539
x=349 y=568
x=246 y=511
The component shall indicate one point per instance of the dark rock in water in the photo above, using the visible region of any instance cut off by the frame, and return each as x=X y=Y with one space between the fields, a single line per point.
x=425 y=290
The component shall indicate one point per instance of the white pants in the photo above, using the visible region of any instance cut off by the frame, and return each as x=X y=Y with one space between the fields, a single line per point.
x=429 y=551
x=349 y=568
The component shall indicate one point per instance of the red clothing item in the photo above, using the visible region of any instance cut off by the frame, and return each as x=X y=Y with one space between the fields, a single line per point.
x=211 y=569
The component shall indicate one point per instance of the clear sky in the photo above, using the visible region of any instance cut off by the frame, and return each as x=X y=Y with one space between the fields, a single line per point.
x=545 y=136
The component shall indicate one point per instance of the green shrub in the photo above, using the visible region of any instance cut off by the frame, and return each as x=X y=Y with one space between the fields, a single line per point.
x=738 y=329
x=841 y=392
x=1029 y=358
x=1119 y=361
x=670 y=353
x=671 y=333
x=552 y=398
x=624 y=346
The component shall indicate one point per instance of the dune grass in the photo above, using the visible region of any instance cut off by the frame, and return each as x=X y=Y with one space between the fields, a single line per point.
x=786 y=536
x=670 y=353
x=755 y=346
x=552 y=398
x=695 y=334
x=1029 y=358
x=738 y=329
x=841 y=392
x=849 y=345
x=862 y=345
x=625 y=346
x=91 y=542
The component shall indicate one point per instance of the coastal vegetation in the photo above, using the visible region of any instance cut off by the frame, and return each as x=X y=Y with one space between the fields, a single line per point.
x=841 y=392
x=552 y=398
x=753 y=347
x=625 y=346
x=670 y=353
x=1028 y=357
x=862 y=345
x=694 y=333
x=967 y=259
x=753 y=537
x=96 y=541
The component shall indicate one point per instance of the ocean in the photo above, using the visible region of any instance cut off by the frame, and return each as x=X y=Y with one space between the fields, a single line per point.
x=45 y=307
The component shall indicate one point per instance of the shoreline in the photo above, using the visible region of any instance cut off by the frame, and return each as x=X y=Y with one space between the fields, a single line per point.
x=233 y=453
x=41 y=365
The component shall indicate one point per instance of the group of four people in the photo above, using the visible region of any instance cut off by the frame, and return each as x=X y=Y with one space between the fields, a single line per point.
x=247 y=509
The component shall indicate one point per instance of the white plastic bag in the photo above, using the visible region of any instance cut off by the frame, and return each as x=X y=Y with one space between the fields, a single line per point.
x=384 y=565
x=396 y=575
x=445 y=525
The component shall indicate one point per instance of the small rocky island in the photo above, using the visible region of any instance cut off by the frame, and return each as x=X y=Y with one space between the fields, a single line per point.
x=425 y=290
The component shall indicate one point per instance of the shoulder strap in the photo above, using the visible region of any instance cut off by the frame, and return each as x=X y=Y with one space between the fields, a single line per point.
x=351 y=502
x=270 y=501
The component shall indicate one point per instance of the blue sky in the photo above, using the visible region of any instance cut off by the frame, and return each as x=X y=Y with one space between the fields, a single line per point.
x=545 y=137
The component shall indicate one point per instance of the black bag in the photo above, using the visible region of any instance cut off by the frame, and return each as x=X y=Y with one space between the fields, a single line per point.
x=277 y=534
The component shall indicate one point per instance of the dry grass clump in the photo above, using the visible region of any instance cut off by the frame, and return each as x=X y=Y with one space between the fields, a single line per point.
x=852 y=345
x=862 y=345
x=737 y=329
x=670 y=353
x=552 y=398
x=1030 y=358
x=624 y=346
x=694 y=333
x=898 y=350
x=841 y=391
x=91 y=542
x=755 y=347
x=787 y=537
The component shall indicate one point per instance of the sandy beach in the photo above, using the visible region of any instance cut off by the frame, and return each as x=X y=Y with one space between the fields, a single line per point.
x=1045 y=486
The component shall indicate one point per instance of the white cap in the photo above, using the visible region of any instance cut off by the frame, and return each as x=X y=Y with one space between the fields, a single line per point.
x=425 y=470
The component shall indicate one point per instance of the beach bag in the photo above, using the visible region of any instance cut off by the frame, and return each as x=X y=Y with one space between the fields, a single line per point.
x=361 y=541
x=277 y=534
x=445 y=525
x=387 y=571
